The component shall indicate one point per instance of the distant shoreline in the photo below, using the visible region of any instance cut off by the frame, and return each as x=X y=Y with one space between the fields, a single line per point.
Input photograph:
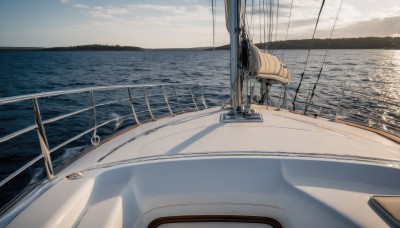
x=90 y=47
x=342 y=43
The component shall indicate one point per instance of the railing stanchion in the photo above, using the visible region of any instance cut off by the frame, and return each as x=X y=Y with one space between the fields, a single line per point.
x=352 y=94
x=176 y=96
x=147 y=103
x=44 y=144
x=133 y=107
x=194 y=100
x=308 y=98
x=339 y=104
x=166 y=100
x=202 y=97
x=95 y=140
x=285 y=106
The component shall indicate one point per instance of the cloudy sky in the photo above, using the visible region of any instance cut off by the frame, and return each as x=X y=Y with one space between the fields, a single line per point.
x=184 y=23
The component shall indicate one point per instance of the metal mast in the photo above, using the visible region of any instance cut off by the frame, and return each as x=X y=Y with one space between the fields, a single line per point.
x=236 y=90
x=238 y=112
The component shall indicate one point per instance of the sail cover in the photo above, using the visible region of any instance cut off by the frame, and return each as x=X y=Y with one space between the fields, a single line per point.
x=266 y=66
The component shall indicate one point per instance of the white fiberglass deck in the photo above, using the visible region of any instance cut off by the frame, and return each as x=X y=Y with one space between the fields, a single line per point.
x=281 y=132
x=194 y=165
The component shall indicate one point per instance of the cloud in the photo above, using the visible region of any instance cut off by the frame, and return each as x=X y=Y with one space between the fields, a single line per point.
x=162 y=8
x=380 y=27
x=152 y=15
x=151 y=25
x=107 y=12
x=80 y=6
x=302 y=23
x=180 y=24
x=387 y=26
x=66 y=1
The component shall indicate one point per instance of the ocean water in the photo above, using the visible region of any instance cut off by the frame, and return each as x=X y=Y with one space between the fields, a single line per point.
x=371 y=78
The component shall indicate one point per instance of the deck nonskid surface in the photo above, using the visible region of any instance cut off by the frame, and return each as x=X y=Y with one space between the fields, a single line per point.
x=281 y=131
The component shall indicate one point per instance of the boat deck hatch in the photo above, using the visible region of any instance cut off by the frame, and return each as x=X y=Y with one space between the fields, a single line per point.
x=215 y=221
x=389 y=206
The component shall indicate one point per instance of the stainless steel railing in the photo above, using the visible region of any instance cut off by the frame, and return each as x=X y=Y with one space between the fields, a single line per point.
x=351 y=103
x=188 y=101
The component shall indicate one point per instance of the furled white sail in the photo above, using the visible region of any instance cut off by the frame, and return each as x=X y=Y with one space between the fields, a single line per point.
x=227 y=15
x=261 y=65
x=266 y=66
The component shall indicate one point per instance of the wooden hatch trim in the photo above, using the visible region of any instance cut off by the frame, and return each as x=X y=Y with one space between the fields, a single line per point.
x=215 y=218
x=387 y=206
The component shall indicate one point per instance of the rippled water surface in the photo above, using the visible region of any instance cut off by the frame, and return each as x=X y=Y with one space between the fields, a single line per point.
x=371 y=78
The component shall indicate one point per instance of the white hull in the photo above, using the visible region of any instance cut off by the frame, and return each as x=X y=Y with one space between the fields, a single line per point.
x=299 y=170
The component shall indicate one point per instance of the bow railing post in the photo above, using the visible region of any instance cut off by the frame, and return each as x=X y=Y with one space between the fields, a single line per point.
x=132 y=106
x=194 y=100
x=285 y=106
x=308 y=100
x=202 y=97
x=146 y=97
x=44 y=144
x=176 y=96
x=166 y=100
x=95 y=140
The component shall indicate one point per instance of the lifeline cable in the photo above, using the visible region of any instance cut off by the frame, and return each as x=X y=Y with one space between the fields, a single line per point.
x=308 y=55
x=323 y=62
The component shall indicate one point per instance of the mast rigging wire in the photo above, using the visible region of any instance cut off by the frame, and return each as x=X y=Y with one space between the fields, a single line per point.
x=277 y=20
x=287 y=30
x=264 y=22
x=252 y=12
x=247 y=23
x=308 y=55
x=271 y=21
x=213 y=20
x=323 y=62
x=213 y=8
x=277 y=23
x=259 y=9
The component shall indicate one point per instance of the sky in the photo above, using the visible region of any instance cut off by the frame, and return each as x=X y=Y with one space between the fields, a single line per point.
x=182 y=24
